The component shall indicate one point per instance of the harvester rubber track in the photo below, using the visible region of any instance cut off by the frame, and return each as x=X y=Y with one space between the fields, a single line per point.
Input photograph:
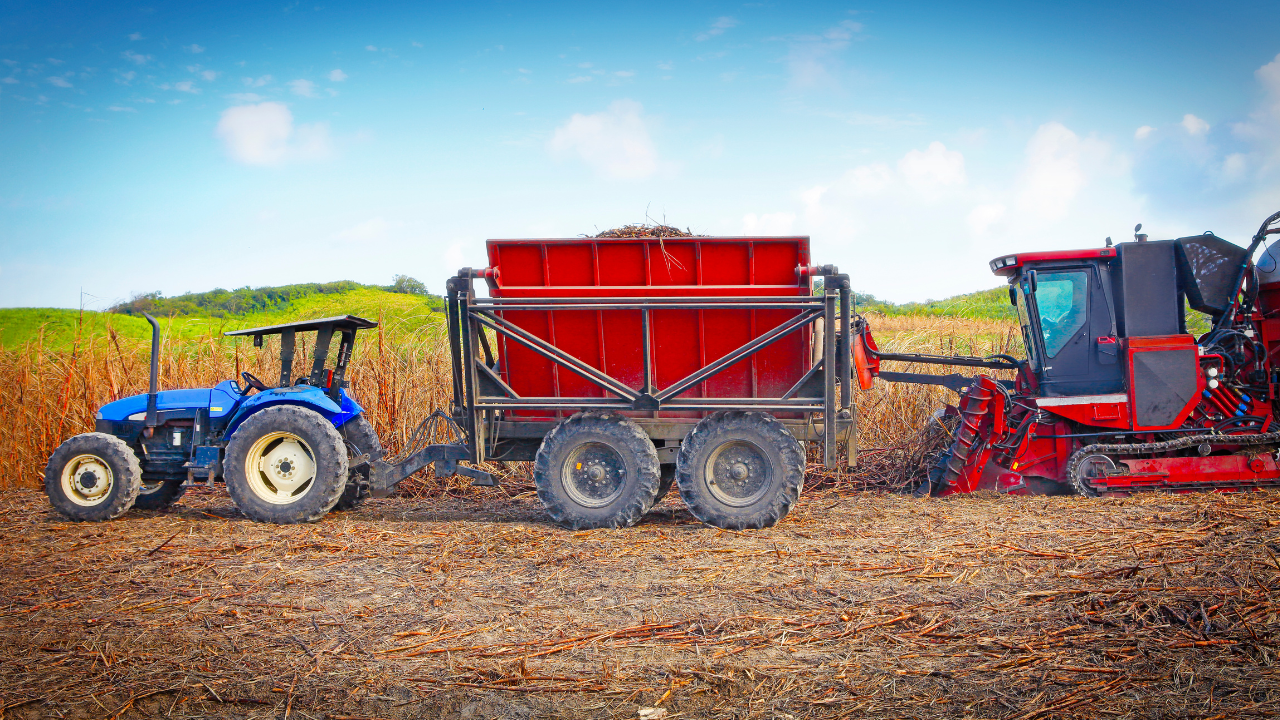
x=1122 y=451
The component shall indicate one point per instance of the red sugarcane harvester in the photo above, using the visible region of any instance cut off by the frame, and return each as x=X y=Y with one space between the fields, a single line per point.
x=1115 y=395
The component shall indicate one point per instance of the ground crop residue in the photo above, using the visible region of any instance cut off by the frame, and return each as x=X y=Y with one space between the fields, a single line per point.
x=857 y=605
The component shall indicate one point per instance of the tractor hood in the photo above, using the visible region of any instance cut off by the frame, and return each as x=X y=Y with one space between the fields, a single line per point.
x=219 y=400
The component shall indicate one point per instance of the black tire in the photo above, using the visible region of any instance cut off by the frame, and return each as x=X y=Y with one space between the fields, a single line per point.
x=932 y=484
x=73 y=477
x=666 y=478
x=595 y=470
x=159 y=495
x=360 y=437
x=740 y=470
x=302 y=481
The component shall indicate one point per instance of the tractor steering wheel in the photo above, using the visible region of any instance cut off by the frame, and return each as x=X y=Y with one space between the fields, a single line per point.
x=253 y=382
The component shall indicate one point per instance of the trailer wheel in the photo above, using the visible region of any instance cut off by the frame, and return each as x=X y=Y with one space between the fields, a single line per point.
x=360 y=437
x=159 y=495
x=738 y=470
x=596 y=469
x=286 y=464
x=92 y=477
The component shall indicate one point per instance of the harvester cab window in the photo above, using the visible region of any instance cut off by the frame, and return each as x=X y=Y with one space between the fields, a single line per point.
x=1024 y=321
x=1063 y=301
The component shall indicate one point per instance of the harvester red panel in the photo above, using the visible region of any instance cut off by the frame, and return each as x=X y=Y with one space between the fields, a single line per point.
x=681 y=340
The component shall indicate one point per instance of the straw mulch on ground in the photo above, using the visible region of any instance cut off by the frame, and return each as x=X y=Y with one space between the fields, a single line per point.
x=857 y=605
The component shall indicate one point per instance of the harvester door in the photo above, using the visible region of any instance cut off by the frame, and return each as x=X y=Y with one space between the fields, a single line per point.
x=1075 y=332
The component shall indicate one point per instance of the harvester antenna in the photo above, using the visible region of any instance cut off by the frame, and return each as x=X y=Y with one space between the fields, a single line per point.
x=1108 y=241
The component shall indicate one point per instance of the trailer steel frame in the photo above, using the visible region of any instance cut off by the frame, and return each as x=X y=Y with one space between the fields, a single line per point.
x=479 y=392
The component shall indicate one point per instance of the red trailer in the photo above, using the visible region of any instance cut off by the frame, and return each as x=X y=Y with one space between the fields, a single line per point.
x=622 y=366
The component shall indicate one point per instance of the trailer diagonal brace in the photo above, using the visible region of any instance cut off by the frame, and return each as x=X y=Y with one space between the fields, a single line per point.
x=553 y=353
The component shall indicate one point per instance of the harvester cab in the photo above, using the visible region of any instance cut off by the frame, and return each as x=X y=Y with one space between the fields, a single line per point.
x=1115 y=395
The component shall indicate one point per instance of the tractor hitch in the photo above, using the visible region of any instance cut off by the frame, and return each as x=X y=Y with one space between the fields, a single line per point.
x=384 y=476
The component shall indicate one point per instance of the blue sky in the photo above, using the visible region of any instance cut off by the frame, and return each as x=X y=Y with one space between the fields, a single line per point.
x=167 y=148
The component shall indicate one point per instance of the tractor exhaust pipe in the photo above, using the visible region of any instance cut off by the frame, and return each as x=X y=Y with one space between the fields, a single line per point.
x=152 y=393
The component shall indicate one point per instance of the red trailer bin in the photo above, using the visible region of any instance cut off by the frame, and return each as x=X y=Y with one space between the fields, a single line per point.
x=623 y=365
x=678 y=341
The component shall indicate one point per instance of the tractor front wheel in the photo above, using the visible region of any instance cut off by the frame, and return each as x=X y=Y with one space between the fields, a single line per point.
x=159 y=495
x=93 y=477
x=739 y=470
x=286 y=464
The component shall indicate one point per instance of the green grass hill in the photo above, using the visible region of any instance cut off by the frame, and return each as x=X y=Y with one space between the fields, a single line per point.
x=200 y=315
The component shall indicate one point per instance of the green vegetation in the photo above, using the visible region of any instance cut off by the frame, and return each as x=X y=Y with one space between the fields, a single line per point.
x=219 y=303
x=203 y=315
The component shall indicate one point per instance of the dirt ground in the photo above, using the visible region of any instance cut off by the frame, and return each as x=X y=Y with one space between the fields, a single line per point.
x=857 y=605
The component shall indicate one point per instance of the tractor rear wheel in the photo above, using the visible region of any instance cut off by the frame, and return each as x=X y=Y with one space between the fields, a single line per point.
x=360 y=437
x=93 y=477
x=159 y=495
x=740 y=470
x=596 y=469
x=286 y=464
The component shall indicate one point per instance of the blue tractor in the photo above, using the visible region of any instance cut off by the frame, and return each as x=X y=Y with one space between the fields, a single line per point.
x=288 y=454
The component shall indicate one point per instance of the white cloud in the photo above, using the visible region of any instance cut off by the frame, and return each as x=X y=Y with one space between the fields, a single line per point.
x=717 y=28
x=264 y=134
x=666 y=66
x=55 y=61
x=523 y=71
x=615 y=143
x=580 y=79
x=814 y=60
x=1143 y=132
x=1057 y=167
x=934 y=167
x=305 y=88
x=779 y=223
x=981 y=218
x=371 y=48
x=135 y=36
x=186 y=86
x=135 y=58
x=126 y=77
x=117 y=108
x=209 y=75
x=337 y=75
x=624 y=73
x=1194 y=125
x=246 y=97
x=59 y=81
x=193 y=49
x=257 y=82
x=10 y=81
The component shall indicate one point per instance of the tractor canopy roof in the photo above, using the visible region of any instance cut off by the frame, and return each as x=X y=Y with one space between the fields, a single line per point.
x=338 y=322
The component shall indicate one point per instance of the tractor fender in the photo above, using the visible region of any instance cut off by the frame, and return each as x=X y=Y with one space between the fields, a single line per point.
x=312 y=398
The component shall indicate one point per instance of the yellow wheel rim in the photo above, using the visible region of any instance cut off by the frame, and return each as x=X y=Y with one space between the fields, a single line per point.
x=87 y=480
x=280 y=468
